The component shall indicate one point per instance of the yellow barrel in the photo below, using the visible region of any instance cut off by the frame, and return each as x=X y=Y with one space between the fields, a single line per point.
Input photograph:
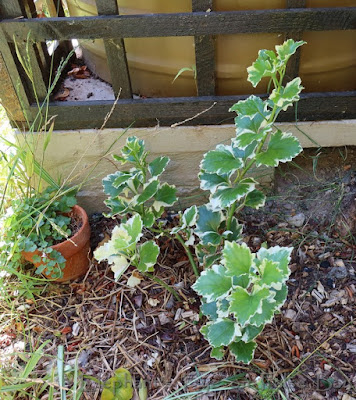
x=328 y=62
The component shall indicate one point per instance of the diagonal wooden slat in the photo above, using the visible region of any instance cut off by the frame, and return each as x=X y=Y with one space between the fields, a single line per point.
x=34 y=52
x=204 y=54
x=116 y=54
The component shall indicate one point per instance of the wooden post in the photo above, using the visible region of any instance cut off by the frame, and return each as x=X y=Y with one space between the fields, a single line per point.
x=116 y=54
x=204 y=55
x=292 y=70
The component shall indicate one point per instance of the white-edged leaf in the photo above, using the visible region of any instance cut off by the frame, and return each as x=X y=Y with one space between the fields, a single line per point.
x=255 y=199
x=251 y=332
x=208 y=225
x=251 y=107
x=165 y=196
x=148 y=253
x=271 y=275
x=189 y=217
x=158 y=166
x=217 y=353
x=226 y=195
x=213 y=284
x=212 y=181
x=268 y=309
x=288 y=48
x=222 y=332
x=244 y=304
x=149 y=190
x=278 y=254
x=133 y=227
x=119 y=265
x=242 y=351
x=282 y=147
x=220 y=161
x=265 y=65
x=286 y=96
x=238 y=259
x=134 y=281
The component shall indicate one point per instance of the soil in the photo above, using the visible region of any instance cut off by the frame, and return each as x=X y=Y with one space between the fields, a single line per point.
x=308 y=352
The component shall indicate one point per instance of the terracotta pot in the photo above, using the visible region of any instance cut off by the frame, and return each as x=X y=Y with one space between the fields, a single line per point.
x=75 y=250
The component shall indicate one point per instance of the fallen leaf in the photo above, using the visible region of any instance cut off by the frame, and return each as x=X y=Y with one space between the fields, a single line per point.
x=119 y=387
x=66 y=330
x=62 y=95
x=153 y=302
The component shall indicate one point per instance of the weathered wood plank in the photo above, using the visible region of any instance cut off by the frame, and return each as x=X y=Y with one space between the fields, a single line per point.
x=204 y=54
x=116 y=54
x=184 y=24
x=146 y=112
x=292 y=70
x=34 y=52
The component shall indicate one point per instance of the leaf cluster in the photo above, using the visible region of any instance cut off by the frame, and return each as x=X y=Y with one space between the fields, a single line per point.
x=139 y=190
x=34 y=224
x=240 y=295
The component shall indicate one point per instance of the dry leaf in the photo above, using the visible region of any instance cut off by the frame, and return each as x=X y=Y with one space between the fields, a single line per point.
x=62 y=95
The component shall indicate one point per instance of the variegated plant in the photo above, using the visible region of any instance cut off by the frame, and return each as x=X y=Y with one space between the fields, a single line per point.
x=242 y=291
x=139 y=190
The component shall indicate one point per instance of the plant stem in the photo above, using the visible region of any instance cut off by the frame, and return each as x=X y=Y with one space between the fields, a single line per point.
x=189 y=254
x=230 y=215
x=162 y=283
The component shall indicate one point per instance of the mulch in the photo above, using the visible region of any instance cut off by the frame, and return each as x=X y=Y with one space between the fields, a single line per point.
x=308 y=352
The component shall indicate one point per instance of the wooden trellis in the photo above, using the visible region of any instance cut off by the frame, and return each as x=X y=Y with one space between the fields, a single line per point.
x=19 y=22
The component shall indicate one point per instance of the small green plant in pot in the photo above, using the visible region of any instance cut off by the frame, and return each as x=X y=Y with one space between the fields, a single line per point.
x=240 y=291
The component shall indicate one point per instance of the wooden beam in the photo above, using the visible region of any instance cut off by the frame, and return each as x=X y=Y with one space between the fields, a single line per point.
x=203 y=110
x=292 y=70
x=116 y=54
x=204 y=54
x=184 y=24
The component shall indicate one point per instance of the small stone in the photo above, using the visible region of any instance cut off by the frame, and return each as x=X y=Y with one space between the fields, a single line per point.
x=297 y=220
x=164 y=319
x=338 y=272
x=76 y=329
x=290 y=314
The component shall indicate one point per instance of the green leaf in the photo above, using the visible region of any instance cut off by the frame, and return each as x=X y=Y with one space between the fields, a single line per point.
x=217 y=353
x=244 y=304
x=235 y=231
x=220 y=161
x=134 y=150
x=284 y=97
x=223 y=332
x=213 y=284
x=251 y=107
x=212 y=181
x=121 y=179
x=238 y=259
x=165 y=196
x=148 y=253
x=265 y=65
x=190 y=216
x=149 y=190
x=134 y=228
x=109 y=184
x=148 y=219
x=269 y=306
x=208 y=225
x=225 y=196
x=288 y=48
x=277 y=254
x=249 y=130
x=255 y=199
x=271 y=275
x=242 y=351
x=282 y=147
x=158 y=166
x=251 y=332
x=117 y=206
x=209 y=309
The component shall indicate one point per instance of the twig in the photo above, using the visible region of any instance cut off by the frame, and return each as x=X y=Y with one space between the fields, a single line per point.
x=195 y=116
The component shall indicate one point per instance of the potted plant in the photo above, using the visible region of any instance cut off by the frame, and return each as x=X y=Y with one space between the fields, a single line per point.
x=49 y=230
